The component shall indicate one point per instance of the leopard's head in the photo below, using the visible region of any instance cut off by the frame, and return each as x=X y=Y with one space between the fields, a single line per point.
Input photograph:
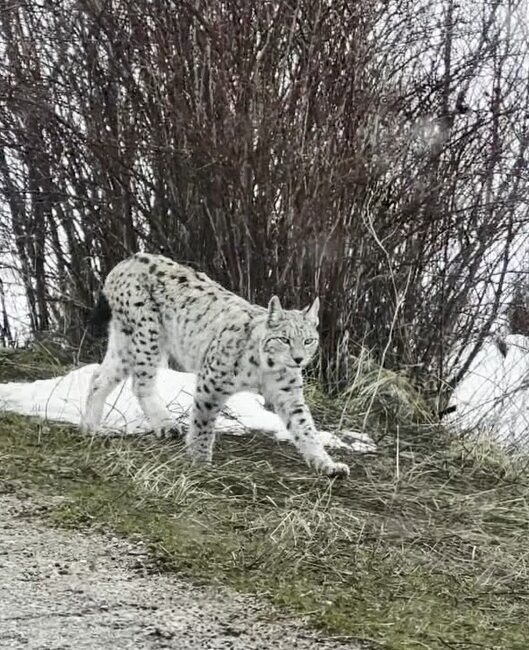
x=291 y=336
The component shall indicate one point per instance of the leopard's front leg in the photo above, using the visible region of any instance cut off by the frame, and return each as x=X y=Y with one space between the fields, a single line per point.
x=285 y=392
x=211 y=393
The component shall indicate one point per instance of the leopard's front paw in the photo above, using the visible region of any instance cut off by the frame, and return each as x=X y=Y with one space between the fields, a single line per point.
x=170 y=430
x=340 y=470
x=337 y=470
x=87 y=426
x=324 y=464
x=198 y=458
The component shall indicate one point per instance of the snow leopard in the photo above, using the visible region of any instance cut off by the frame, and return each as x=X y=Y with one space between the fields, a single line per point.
x=157 y=308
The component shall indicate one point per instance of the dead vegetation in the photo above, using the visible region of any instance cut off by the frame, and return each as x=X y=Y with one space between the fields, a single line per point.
x=370 y=152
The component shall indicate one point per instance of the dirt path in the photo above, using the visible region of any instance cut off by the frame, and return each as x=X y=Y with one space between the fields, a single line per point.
x=65 y=589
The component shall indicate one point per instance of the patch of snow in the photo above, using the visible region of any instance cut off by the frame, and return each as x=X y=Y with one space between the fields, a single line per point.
x=493 y=398
x=62 y=399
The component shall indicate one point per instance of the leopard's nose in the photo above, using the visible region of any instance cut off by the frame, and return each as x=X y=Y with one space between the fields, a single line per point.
x=298 y=360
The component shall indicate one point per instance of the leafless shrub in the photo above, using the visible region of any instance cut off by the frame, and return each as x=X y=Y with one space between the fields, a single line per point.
x=373 y=152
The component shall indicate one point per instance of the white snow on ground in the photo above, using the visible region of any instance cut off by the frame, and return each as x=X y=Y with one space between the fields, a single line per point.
x=493 y=398
x=491 y=401
x=62 y=399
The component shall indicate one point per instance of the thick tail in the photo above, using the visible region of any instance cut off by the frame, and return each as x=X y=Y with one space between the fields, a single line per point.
x=100 y=317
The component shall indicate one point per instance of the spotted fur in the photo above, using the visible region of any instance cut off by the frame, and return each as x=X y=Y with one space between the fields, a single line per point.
x=159 y=308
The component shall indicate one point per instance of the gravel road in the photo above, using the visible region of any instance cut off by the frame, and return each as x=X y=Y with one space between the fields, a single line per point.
x=76 y=590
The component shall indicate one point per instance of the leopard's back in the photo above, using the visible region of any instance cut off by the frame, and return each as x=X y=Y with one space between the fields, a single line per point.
x=186 y=306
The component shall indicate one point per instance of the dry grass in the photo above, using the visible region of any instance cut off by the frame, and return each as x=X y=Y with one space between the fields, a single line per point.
x=424 y=547
x=40 y=361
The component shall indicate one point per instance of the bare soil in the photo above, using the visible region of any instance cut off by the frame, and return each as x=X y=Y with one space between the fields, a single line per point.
x=62 y=589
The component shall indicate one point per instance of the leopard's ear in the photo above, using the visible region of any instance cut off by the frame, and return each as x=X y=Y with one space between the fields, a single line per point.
x=275 y=311
x=311 y=312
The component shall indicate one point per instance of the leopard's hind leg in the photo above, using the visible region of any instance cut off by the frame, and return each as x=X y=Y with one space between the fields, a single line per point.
x=148 y=355
x=114 y=369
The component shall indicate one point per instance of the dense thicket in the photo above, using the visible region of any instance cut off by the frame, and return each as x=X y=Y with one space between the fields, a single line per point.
x=372 y=152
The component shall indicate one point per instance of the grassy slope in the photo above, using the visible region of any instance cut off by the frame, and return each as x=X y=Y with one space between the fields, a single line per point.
x=429 y=552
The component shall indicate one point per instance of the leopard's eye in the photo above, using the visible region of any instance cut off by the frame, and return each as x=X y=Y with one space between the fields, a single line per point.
x=283 y=339
x=309 y=341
